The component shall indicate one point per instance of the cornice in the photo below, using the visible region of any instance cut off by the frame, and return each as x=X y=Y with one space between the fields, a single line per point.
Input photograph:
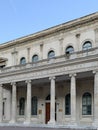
x=86 y=20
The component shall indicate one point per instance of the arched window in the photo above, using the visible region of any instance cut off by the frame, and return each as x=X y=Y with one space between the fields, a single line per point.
x=87 y=45
x=35 y=58
x=86 y=103
x=23 y=60
x=51 y=54
x=22 y=106
x=34 y=103
x=67 y=104
x=69 y=50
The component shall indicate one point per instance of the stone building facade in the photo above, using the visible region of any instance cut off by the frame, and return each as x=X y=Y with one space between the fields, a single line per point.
x=51 y=77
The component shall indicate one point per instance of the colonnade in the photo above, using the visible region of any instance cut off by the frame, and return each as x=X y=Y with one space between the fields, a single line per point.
x=52 y=102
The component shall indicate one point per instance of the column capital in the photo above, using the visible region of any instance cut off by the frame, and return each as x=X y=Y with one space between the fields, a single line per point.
x=28 y=81
x=73 y=75
x=13 y=83
x=52 y=77
x=95 y=71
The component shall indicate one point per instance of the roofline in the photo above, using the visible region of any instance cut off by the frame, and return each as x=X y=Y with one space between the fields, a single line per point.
x=70 y=24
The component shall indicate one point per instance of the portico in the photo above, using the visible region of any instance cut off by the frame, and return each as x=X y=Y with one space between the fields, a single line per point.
x=58 y=87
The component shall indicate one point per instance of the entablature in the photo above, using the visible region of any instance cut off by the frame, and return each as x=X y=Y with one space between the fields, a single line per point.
x=73 y=63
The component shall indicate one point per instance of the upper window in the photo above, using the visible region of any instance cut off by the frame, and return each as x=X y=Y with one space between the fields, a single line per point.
x=69 y=50
x=22 y=106
x=23 y=60
x=34 y=103
x=86 y=104
x=87 y=45
x=51 y=54
x=35 y=58
x=67 y=104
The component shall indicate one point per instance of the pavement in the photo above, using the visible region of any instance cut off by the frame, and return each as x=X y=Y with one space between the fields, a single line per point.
x=7 y=126
x=40 y=128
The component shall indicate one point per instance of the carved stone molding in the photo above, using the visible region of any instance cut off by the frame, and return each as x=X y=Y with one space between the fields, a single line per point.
x=28 y=81
x=53 y=77
x=73 y=75
x=13 y=83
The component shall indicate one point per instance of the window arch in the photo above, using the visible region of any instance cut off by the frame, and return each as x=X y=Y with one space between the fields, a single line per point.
x=87 y=45
x=67 y=105
x=51 y=54
x=86 y=103
x=34 y=103
x=35 y=58
x=22 y=106
x=69 y=50
x=23 y=60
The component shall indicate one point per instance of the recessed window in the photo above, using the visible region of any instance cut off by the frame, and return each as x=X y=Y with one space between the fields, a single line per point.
x=86 y=103
x=22 y=106
x=67 y=104
x=69 y=50
x=34 y=103
x=23 y=60
x=87 y=45
x=51 y=54
x=35 y=58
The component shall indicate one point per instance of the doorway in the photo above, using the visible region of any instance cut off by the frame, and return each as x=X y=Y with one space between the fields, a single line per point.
x=47 y=112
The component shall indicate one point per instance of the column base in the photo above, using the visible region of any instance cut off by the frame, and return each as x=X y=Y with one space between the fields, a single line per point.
x=52 y=122
x=73 y=123
x=27 y=122
x=12 y=121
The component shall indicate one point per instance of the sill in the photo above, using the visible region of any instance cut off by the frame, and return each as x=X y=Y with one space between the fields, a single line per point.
x=87 y=116
x=67 y=116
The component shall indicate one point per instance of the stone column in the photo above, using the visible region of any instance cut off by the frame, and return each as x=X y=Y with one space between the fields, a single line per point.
x=1 y=97
x=73 y=99
x=28 y=112
x=95 y=122
x=52 y=105
x=13 y=114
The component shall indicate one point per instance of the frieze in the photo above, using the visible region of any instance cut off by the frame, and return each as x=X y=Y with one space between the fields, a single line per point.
x=50 y=72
